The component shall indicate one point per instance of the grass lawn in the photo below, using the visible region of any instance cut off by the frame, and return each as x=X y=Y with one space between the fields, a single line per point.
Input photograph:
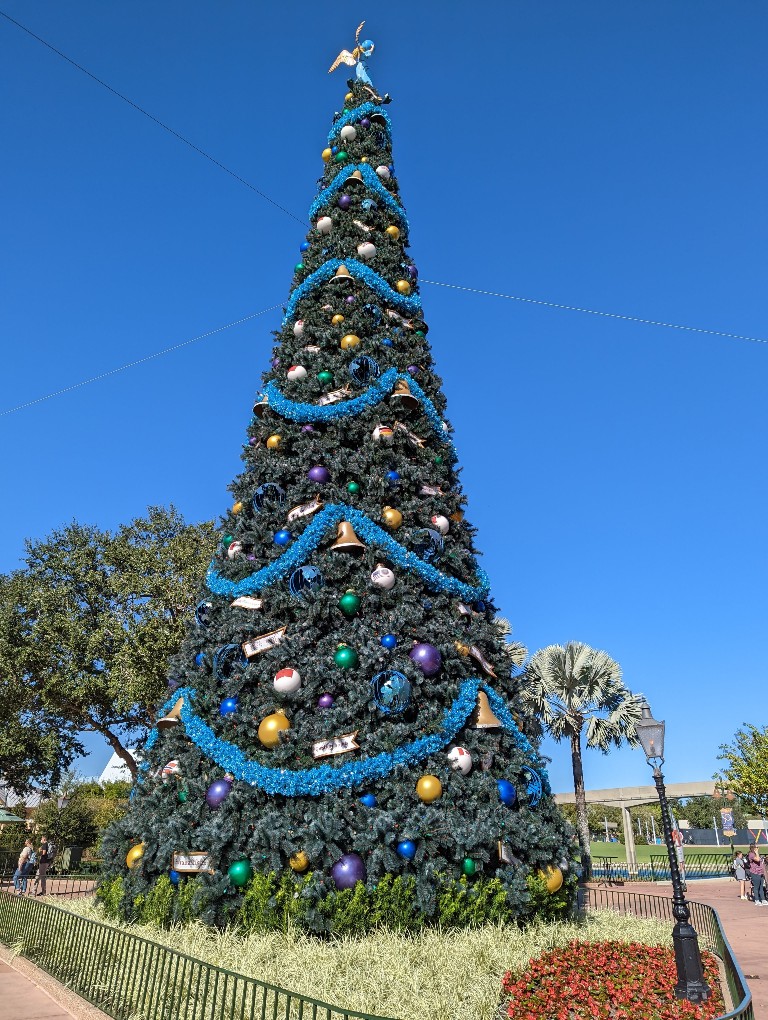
x=644 y=851
x=450 y=975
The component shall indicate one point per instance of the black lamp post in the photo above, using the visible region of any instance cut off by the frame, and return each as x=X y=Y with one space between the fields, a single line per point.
x=690 y=975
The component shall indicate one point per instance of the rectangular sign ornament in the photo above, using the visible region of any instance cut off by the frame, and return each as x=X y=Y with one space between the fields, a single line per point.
x=254 y=646
x=336 y=745
x=196 y=861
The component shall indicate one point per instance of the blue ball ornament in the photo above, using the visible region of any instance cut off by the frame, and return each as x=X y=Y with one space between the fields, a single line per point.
x=174 y=877
x=406 y=848
x=199 y=659
x=507 y=792
x=282 y=537
x=389 y=641
x=393 y=477
x=228 y=706
x=304 y=246
x=368 y=799
x=334 y=149
x=386 y=342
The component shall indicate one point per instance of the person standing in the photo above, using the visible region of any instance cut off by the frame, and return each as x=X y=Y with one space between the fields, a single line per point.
x=23 y=868
x=757 y=875
x=740 y=874
x=45 y=857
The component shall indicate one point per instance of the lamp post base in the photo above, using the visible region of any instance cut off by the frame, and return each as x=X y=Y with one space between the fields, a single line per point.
x=690 y=978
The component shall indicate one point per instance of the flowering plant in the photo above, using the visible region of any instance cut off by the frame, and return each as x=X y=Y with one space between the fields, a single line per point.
x=607 y=981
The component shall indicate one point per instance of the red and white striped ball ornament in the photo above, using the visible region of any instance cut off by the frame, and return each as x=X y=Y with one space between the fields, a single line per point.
x=460 y=759
x=296 y=372
x=287 y=680
x=171 y=769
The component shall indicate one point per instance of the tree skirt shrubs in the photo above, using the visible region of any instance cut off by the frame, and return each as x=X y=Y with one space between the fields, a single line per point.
x=606 y=981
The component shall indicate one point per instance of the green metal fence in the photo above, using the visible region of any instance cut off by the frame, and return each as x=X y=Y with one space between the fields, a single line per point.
x=705 y=920
x=59 y=881
x=697 y=865
x=131 y=978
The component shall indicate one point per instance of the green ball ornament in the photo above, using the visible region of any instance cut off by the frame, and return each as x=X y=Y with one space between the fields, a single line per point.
x=468 y=866
x=349 y=603
x=298 y=267
x=183 y=795
x=439 y=459
x=345 y=657
x=420 y=332
x=227 y=540
x=340 y=156
x=353 y=487
x=240 y=873
x=325 y=377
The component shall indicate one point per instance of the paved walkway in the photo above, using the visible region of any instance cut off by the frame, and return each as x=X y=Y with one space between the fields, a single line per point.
x=746 y=928
x=22 y=999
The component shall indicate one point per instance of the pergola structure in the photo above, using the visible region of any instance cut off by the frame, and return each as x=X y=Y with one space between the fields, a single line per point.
x=626 y=797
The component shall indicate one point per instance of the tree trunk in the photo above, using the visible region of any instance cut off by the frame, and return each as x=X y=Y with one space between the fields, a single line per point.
x=117 y=747
x=582 y=824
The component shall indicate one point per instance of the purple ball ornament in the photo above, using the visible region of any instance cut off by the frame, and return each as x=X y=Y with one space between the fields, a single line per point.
x=427 y=658
x=307 y=428
x=253 y=441
x=350 y=299
x=348 y=871
x=325 y=701
x=218 y=792
x=365 y=122
x=412 y=272
x=275 y=363
x=413 y=369
x=319 y=474
x=344 y=202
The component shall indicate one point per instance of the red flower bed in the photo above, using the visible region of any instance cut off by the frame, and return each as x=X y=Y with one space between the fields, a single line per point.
x=607 y=981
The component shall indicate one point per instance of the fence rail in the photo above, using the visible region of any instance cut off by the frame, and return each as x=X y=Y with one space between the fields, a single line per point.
x=697 y=865
x=131 y=978
x=59 y=881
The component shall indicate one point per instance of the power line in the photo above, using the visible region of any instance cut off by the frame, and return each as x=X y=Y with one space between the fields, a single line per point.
x=155 y=120
x=592 y=311
x=139 y=361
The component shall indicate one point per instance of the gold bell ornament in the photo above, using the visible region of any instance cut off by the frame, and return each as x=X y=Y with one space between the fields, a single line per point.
x=271 y=727
x=392 y=518
x=483 y=718
x=402 y=394
x=299 y=861
x=134 y=855
x=173 y=718
x=347 y=540
x=342 y=275
x=355 y=178
x=260 y=407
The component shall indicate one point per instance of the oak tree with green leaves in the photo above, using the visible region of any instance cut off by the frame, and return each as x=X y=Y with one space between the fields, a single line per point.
x=746 y=771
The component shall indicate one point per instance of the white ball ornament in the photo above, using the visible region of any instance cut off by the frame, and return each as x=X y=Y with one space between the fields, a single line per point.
x=171 y=769
x=324 y=225
x=296 y=372
x=287 y=680
x=460 y=759
x=234 y=549
x=383 y=577
x=383 y=434
x=383 y=172
x=441 y=523
x=298 y=327
x=366 y=250
x=348 y=133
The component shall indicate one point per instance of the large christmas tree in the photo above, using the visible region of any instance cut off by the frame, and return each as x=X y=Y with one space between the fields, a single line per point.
x=341 y=706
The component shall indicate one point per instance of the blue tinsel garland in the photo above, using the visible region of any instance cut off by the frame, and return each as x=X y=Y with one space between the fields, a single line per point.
x=356 y=114
x=348 y=408
x=371 y=179
x=411 y=305
x=327 y=778
x=298 y=553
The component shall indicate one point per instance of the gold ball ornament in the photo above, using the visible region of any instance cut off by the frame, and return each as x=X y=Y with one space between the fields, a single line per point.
x=271 y=727
x=429 y=788
x=553 y=876
x=349 y=341
x=337 y=320
x=273 y=442
x=393 y=231
x=392 y=518
x=237 y=507
x=403 y=287
x=299 y=861
x=326 y=154
x=134 y=855
x=349 y=97
x=363 y=159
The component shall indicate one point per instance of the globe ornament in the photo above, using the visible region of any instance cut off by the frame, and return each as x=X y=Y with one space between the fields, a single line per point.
x=344 y=202
x=240 y=873
x=368 y=800
x=469 y=867
x=366 y=251
x=299 y=861
x=383 y=172
x=203 y=613
x=406 y=849
x=427 y=657
x=348 y=871
x=217 y=793
x=349 y=341
x=228 y=707
x=553 y=876
x=287 y=681
x=134 y=856
x=183 y=795
x=349 y=603
x=268 y=496
x=226 y=660
x=303 y=580
x=364 y=368
x=325 y=701
x=507 y=792
x=429 y=788
x=391 y=691
x=461 y=760
x=534 y=788
x=340 y=156
x=428 y=543
x=345 y=657
x=271 y=727
x=383 y=577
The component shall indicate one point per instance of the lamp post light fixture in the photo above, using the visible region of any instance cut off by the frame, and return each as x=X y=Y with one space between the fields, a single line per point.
x=690 y=974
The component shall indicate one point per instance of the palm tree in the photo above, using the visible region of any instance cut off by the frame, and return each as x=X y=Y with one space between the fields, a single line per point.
x=576 y=688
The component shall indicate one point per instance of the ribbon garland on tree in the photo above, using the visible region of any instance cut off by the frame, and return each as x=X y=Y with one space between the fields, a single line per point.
x=411 y=305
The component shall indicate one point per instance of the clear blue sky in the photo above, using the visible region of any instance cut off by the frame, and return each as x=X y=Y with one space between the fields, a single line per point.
x=606 y=155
